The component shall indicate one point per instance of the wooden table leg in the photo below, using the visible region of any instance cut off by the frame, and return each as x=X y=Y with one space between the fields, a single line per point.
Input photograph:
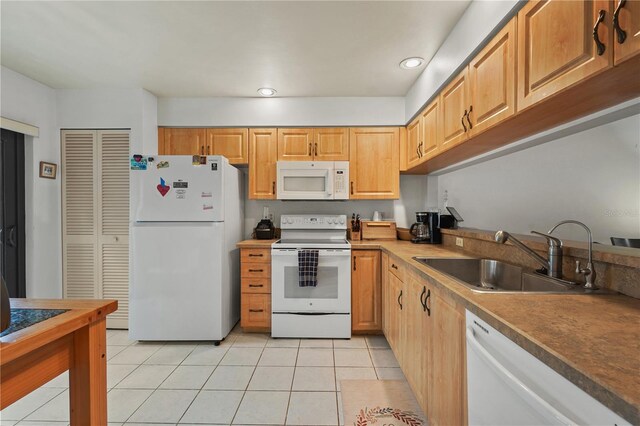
x=88 y=375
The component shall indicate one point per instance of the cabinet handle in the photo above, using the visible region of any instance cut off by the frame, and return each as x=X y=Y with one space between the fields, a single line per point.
x=202 y=150
x=256 y=270
x=422 y=302
x=418 y=151
x=208 y=150
x=256 y=310
x=400 y=297
x=600 y=46
x=622 y=35
x=420 y=147
x=255 y=255
x=351 y=187
x=309 y=149
x=315 y=145
x=426 y=301
x=256 y=285
x=469 y=117
x=354 y=263
x=462 y=121
x=393 y=265
x=273 y=188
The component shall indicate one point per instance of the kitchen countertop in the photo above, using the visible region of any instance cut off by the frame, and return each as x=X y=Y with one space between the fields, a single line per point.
x=256 y=243
x=592 y=340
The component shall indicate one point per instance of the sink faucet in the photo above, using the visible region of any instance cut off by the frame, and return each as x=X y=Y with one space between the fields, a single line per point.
x=553 y=266
x=589 y=272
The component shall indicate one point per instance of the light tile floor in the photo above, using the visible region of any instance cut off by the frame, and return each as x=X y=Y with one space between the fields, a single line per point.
x=249 y=379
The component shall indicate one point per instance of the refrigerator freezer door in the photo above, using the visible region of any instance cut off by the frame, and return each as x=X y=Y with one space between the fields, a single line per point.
x=177 y=290
x=173 y=189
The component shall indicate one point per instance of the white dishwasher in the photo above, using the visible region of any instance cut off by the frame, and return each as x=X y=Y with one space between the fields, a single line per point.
x=506 y=385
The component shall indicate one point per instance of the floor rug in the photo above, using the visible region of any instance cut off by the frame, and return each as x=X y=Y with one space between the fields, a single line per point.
x=380 y=402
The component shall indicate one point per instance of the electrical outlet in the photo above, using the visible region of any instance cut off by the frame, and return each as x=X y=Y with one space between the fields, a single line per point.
x=459 y=242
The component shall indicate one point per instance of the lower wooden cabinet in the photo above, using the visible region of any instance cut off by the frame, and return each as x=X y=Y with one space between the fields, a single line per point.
x=255 y=296
x=425 y=329
x=366 y=303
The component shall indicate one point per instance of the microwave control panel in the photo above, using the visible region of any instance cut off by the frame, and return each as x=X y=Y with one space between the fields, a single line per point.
x=341 y=180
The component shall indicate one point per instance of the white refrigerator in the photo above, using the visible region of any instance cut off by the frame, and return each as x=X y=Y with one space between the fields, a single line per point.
x=185 y=267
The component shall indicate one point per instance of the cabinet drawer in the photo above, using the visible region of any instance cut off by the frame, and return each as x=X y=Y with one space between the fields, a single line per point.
x=255 y=270
x=396 y=268
x=255 y=255
x=378 y=230
x=256 y=311
x=256 y=285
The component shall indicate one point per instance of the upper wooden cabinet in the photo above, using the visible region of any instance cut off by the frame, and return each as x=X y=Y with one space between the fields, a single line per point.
x=626 y=37
x=492 y=81
x=263 y=155
x=454 y=104
x=231 y=143
x=556 y=46
x=181 y=141
x=413 y=142
x=374 y=163
x=366 y=294
x=430 y=130
x=321 y=144
x=331 y=144
x=295 y=144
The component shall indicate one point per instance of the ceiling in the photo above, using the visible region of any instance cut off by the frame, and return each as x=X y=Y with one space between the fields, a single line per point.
x=207 y=49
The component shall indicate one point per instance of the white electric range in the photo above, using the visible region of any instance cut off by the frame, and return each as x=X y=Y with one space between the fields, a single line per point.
x=323 y=311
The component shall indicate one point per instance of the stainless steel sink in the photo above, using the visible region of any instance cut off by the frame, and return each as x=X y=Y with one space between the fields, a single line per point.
x=493 y=276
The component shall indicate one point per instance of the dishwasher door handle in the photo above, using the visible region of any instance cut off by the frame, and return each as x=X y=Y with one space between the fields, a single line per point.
x=528 y=395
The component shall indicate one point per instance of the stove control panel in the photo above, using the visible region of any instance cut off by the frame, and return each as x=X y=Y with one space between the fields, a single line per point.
x=308 y=221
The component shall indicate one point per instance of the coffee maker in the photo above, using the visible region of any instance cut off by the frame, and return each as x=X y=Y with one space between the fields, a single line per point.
x=426 y=230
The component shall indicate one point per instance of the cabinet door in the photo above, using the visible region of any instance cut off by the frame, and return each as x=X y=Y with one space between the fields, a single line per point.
x=331 y=144
x=396 y=301
x=384 y=278
x=366 y=308
x=231 y=143
x=295 y=144
x=446 y=391
x=413 y=142
x=431 y=130
x=627 y=45
x=255 y=311
x=263 y=154
x=178 y=141
x=556 y=48
x=492 y=81
x=414 y=357
x=374 y=163
x=454 y=108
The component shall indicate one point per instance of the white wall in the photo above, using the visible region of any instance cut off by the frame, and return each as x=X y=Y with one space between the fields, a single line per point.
x=281 y=112
x=592 y=176
x=412 y=199
x=478 y=23
x=33 y=103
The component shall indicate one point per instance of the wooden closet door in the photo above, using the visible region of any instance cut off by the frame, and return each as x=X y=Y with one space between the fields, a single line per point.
x=295 y=144
x=492 y=81
x=556 y=48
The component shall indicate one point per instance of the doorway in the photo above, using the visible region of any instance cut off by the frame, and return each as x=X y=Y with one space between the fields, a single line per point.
x=12 y=230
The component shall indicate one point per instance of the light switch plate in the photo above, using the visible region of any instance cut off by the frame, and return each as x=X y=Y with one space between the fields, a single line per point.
x=459 y=242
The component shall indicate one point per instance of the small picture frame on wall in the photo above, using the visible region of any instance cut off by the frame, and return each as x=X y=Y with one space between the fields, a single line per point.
x=48 y=170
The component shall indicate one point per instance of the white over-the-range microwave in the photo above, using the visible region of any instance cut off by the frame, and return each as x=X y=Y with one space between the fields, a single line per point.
x=313 y=180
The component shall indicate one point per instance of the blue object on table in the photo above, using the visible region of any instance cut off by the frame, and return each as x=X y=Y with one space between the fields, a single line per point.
x=23 y=318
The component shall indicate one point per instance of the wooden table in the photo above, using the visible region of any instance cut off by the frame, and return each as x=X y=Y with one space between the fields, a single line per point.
x=75 y=340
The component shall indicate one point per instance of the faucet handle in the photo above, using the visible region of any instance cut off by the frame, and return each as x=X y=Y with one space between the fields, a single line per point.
x=553 y=241
x=578 y=269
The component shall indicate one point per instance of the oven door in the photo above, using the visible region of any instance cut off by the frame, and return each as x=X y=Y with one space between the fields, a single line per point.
x=331 y=295
x=305 y=180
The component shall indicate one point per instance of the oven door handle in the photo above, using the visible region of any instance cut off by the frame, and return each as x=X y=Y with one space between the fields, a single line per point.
x=321 y=253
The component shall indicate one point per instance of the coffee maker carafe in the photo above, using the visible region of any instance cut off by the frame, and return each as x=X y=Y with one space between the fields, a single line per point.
x=426 y=230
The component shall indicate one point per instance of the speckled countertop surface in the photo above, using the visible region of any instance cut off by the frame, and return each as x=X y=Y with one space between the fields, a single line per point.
x=592 y=340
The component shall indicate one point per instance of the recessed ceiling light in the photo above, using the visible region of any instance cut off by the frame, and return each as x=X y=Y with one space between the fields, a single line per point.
x=411 y=63
x=266 y=91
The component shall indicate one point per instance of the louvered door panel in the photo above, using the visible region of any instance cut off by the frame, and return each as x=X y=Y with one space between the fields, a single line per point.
x=79 y=214
x=115 y=281
x=113 y=213
x=114 y=182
